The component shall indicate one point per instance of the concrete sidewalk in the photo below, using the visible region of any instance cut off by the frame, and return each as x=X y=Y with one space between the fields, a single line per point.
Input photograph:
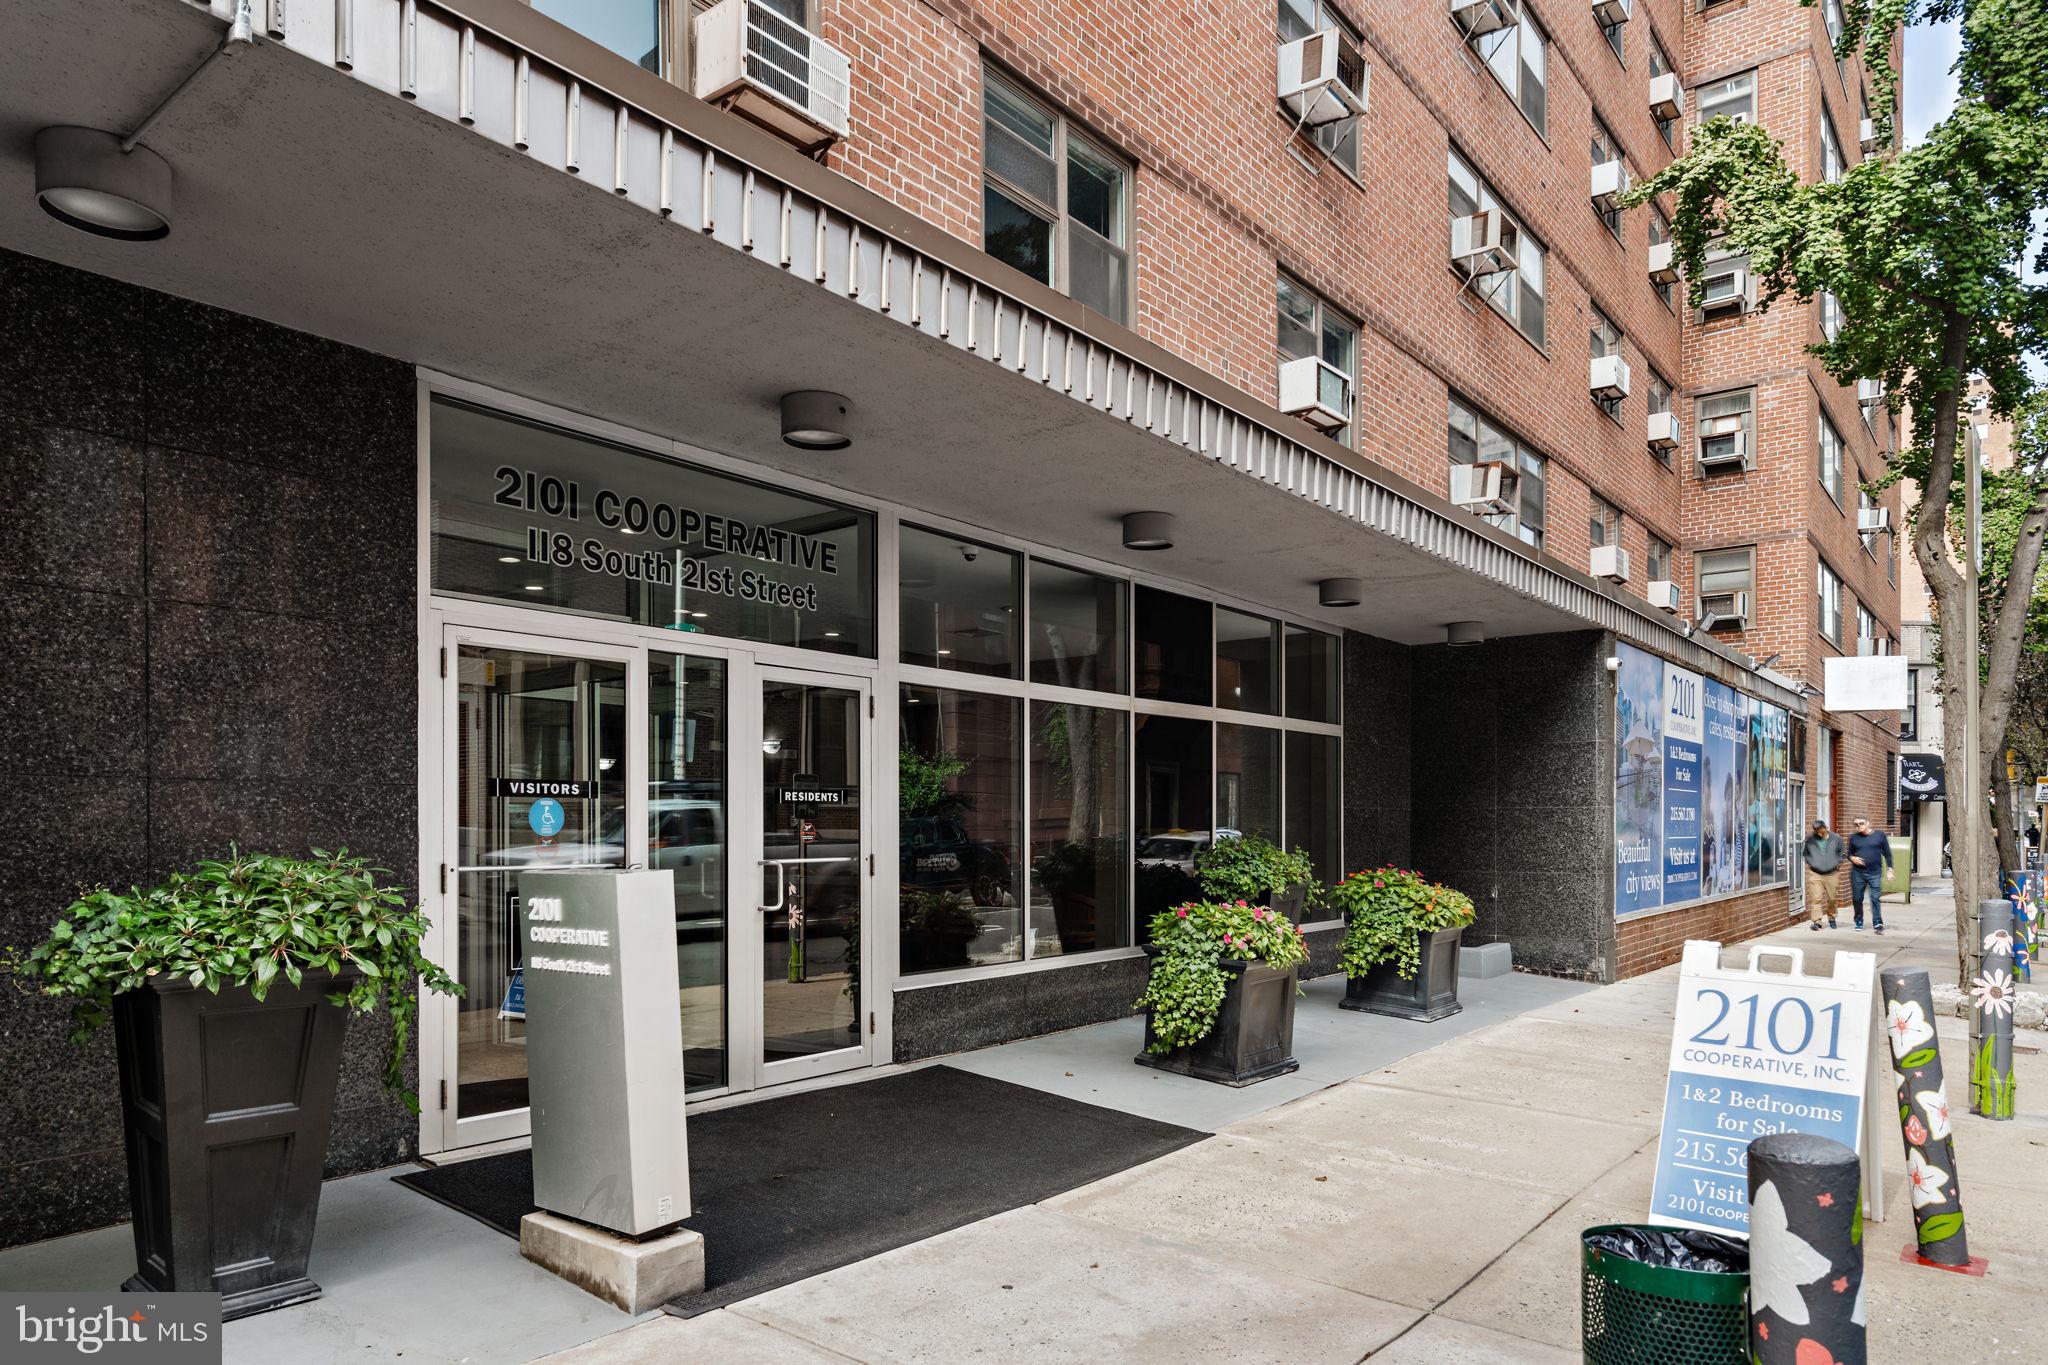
x=1426 y=1212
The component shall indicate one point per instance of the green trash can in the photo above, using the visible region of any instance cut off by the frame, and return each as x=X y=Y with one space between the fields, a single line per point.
x=1632 y=1312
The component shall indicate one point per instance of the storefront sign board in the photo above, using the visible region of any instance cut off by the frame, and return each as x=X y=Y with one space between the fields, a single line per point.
x=1755 y=1052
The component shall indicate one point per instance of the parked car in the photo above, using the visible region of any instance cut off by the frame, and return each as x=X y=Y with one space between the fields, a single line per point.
x=1178 y=848
x=938 y=855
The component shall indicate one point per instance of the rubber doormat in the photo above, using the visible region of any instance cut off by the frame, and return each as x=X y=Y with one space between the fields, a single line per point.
x=792 y=1187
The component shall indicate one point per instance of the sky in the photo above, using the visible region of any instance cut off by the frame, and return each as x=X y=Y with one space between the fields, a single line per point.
x=1931 y=49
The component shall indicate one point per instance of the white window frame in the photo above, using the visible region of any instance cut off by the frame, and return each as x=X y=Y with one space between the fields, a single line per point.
x=1511 y=47
x=1530 y=468
x=1828 y=599
x=1733 y=95
x=1503 y=290
x=1326 y=315
x=1830 y=459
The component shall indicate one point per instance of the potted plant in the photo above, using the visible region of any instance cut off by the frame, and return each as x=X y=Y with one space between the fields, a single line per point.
x=1219 y=1004
x=938 y=929
x=1249 y=867
x=228 y=987
x=1400 y=951
x=1072 y=875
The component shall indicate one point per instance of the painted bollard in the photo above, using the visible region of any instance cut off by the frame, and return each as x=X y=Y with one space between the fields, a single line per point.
x=1805 y=1251
x=1991 y=1088
x=1923 y=1116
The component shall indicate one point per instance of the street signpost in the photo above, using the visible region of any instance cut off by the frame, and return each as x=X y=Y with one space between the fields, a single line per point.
x=1755 y=1052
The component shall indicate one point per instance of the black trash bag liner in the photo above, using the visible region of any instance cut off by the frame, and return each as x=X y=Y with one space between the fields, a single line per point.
x=1674 y=1248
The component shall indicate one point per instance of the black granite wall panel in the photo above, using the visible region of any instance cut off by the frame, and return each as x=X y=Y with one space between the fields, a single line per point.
x=1515 y=806
x=206 y=590
x=1378 y=680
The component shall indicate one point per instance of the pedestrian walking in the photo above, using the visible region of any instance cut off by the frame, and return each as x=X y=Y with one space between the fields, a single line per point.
x=1867 y=851
x=1823 y=854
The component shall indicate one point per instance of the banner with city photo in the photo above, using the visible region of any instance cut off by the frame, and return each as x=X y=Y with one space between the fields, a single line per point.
x=1699 y=787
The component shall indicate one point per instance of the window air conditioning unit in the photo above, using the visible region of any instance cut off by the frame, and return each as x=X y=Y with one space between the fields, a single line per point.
x=1610 y=182
x=1311 y=83
x=1488 y=486
x=1609 y=12
x=771 y=70
x=1663 y=431
x=1719 y=609
x=1663 y=262
x=1609 y=562
x=1663 y=595
x=1667 y=96
x=1607 y=377
x=1724 y=445
x=1484 y=242
x=1726 y=293
x=1474 y=17
x=1868 y=645
x=1869 y=392
x=1872 y=140
x=1316 y=391
x=1871 y=520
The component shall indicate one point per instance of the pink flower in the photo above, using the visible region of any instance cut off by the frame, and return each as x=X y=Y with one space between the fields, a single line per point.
x=1182 y=912
x=1916 y=1131
x=1256 y=914
x=1377 y=882
x=1240 y=905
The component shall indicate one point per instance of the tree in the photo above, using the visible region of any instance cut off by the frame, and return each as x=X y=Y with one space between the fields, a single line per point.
x=1925 y=251
x=2010 y=496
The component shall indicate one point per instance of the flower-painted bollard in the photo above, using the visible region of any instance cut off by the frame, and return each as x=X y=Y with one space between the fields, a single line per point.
x=1923 y=1117
x=1991 y=1089
x=1805 y=1251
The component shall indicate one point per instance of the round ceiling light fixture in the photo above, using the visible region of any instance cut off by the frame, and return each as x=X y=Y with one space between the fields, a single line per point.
x=1340 y=592
x=84 y=180
x=1464 y=633
x=1148 y=531
x=813 y=419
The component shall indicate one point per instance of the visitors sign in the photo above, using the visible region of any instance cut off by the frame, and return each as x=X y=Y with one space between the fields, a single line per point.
x=1756 y=1052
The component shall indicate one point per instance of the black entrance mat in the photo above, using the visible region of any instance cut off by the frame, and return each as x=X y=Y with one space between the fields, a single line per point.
x=789 y=1188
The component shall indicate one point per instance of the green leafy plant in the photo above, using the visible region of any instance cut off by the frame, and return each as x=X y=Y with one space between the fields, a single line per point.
x=1188 y=981
x=944 y=912
x=924 y=782
x=1250 y=867
x=1385 y=910
x=245 y=921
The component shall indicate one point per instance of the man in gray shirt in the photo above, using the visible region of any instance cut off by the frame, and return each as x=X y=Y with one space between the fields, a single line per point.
x=1823 y=853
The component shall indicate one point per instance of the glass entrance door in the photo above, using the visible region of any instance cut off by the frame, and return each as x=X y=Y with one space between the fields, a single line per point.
x=814 y=875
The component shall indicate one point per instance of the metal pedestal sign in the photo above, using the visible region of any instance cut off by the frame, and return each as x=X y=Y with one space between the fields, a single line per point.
x=604 y=1048
x=1754 y=1053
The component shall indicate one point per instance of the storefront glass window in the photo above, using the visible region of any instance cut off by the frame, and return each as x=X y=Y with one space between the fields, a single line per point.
x=1247 y=781
x=1174 y=660
x=960 y=603
x=686 y=833
x=1077 y=629
x=1314 y=674
x=1080 y=829
x=540 y=517
x=1174 y=811
x=1315 y=799
x=1247 y=662
x=960 y=827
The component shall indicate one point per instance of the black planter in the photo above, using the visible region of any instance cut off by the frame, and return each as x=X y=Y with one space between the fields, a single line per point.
x=1431 y=995
x=1288 y=903
x=1253 y=1038
x=935 y=950
x=226 y=1103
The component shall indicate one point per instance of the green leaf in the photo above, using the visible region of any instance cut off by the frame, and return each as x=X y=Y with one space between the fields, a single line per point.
x=1940 y=1227
x=1918 y=1057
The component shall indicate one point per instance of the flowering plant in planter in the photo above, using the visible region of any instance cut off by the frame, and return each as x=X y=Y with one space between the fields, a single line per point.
x=246 y=921
x=1188 y=980
x=1252 y=868
x=1386 y=912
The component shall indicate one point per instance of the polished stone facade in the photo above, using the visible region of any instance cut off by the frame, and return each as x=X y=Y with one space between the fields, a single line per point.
x=206 y=542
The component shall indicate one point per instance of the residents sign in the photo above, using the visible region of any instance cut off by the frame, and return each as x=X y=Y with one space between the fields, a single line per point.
x=1754 y=1053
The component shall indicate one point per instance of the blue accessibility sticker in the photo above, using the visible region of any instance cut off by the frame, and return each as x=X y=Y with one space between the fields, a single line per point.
x=546 y=816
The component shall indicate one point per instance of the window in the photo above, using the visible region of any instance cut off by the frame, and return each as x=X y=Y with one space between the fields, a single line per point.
x=1828 y=592
x=1660 y=233
x=1173 y=637
x=1891 y=791
x=1909 y=719
x=1605 y=149
x=1830 y=315
x=1866 y=628
x=1298 y=19
x=1831 y=459
x=1516 y=57
x=1055 y=204
x=1314 y=673
x=960 y=813
x=1824 y=778
x=1247 y=662
x=1726 y=423
x=1603 y=338
x=1866 y=502
x=1658 y=399
x=1474 y=439
x=1308 y=326
x=1080 y=827
x=1078 y=628
x=1831 y=163
x=1616 y=36
x=1660 y=560
x=1724 y=571
x=1603 y=524
x=959 y=602
x=1831 y=15
x=1516 y=295
x=1733 y=98
x=632 y=29
x=1660 y=65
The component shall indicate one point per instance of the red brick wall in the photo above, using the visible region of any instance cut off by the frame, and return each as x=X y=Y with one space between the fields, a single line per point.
x=1651 y=941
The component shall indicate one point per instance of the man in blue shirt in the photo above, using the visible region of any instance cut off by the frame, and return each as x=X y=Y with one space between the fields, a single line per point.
x=1867 y=851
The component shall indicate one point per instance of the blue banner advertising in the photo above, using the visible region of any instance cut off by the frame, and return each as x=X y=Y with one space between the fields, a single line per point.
x=1638 y=782
x=1684 y=730
x=1724 y=773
